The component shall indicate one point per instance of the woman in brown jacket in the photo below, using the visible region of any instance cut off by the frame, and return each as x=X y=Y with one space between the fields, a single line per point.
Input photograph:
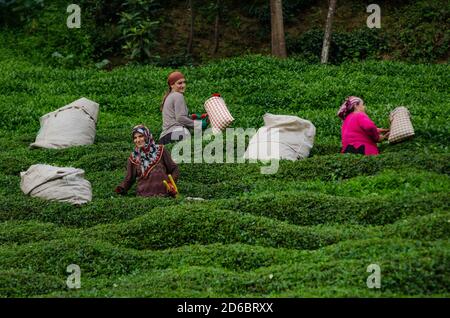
x=150 y=164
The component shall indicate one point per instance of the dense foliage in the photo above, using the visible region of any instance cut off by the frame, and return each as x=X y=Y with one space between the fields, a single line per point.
x=156 y=32
x=311 y=229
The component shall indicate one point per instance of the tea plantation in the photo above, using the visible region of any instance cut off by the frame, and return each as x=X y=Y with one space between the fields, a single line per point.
x=309 y=230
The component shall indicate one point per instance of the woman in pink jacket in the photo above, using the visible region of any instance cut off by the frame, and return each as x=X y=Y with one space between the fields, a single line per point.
x=359 y=133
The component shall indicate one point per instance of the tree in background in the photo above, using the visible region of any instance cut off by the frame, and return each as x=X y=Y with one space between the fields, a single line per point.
x=191 y=27
x=138 y=25
x=277 y=27
x=327 y=36
x=218 y=9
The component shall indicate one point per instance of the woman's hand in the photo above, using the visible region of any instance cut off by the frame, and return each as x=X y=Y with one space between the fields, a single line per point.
x=204 y=124
x=119 y=190
x=384 y=133
x=172 y=190
x=384 y=136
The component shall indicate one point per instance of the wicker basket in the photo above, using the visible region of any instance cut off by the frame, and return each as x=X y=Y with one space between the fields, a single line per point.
x=401 y=126
x=218 y=113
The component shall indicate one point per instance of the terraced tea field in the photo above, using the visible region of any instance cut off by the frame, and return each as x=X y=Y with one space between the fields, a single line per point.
x=309 y=230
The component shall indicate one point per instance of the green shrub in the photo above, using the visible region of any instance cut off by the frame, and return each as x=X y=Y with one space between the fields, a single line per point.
x=198 y=224
x=305 y=208
x=19 y=232
x=406 y=269
x=100 y=211
x=138 y=29
x=344 y=46
x=434 y=226
x=311 y=229
x=17 y=12
x=420 y=34
x=25 y=283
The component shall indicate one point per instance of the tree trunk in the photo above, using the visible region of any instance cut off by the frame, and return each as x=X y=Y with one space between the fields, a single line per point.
x=191 y=28
x=327 y=36
x=216 y=28
x=278 y=39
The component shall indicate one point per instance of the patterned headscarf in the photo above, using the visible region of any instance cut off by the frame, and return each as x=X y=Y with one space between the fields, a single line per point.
x=149 y=155
x=348 y=106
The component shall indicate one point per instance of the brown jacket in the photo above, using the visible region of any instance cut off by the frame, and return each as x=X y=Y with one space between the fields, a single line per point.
x=152 y=185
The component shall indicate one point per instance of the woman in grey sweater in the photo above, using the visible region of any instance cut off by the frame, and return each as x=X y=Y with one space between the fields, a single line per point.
x=176 y=120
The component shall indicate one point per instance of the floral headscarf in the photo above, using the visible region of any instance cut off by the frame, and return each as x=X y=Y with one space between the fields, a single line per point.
x=348 y=106
x=149 y=155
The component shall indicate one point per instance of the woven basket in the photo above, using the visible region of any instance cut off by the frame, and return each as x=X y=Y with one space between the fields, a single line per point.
x=401 y=126
x=218 y=113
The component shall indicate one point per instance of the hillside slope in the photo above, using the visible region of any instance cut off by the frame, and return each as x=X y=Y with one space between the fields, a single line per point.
x=309 y=230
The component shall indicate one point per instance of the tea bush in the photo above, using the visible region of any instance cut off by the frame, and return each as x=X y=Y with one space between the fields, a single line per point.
x=310 y=229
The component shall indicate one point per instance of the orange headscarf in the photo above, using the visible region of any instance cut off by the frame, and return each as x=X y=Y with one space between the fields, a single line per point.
x=171 y=79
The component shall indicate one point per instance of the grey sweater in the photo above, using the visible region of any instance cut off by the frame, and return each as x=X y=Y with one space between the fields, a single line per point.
x=175 y=114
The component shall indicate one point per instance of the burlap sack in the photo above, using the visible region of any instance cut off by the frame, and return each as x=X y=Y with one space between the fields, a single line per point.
x=282 y=137
x=56 y=184
x=71 y=125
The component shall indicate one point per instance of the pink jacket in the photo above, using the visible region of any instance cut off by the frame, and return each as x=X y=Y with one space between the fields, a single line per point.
x=358 y=129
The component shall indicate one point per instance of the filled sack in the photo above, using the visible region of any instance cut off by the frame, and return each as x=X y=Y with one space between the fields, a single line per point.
x=56 y=184
x=401 y=126
x=218 y=113
x=282 y=137
x=71 y=125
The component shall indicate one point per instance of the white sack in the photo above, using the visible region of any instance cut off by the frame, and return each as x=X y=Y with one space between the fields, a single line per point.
x=282 y=137
x=55 y=183
x=71 y=125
